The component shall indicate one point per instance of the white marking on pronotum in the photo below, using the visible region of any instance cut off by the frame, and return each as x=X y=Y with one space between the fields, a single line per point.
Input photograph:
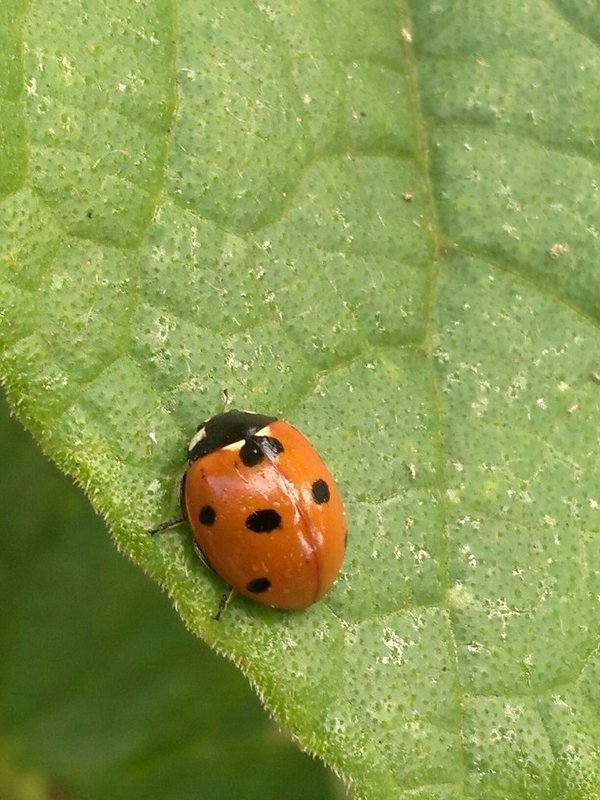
x=197 y=437
x=234 y=446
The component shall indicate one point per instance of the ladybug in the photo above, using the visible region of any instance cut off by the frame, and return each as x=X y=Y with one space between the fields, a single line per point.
x=265 y=512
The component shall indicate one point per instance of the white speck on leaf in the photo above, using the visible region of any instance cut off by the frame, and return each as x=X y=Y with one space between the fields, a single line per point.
x=453 y=496
x=396 y=646
x=559 y=249
x=419 y=554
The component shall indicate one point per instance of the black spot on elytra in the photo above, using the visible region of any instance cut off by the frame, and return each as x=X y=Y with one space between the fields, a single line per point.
x=263 y=521
x=256 y=448
x=320 y=491
x=207 y=515
x=258 y=585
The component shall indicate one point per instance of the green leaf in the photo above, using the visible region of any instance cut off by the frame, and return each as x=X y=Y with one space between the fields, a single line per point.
x=381 y=224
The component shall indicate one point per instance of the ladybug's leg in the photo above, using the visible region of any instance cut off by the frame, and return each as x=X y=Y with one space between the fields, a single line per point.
x=169 y=523
x=224 y=602
x=225 y=399
x=201 y=555
x=172 y=523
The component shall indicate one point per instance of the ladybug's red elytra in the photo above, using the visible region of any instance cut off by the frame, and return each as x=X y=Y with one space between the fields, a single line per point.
x=264 y=510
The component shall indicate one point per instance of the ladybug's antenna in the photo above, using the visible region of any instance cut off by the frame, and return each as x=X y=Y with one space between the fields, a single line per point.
x=169 y=523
